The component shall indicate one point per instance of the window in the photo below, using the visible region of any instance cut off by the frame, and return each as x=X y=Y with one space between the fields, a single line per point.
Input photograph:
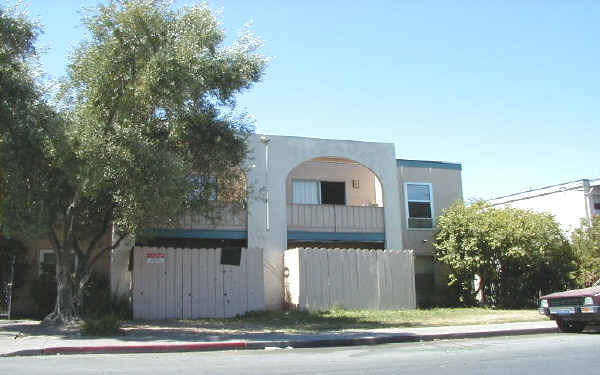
x=47 y=262
x=419 y=205
x=318 y=192
x=306 y=192
x=333 y=192
x=596 y=199
x=205 y=187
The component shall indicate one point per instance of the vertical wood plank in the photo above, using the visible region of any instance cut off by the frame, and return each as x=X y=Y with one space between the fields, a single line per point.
x=178 y=283
x=187 y=283
x=162 y=286
x=398 y=277
x=211 y=279
x=324 y=268
x=373 y=288
x=195 y=283
x=135 y=294
x=170 y=283
x=138 y=284
x=335 y=278
x=302 y=279
x=362 y=279
x=320 y=283
x=203 y=300
x=353 y=300
x=219 y=282
x=312 y=280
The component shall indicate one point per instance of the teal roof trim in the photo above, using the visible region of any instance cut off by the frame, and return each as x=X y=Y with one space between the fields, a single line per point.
x=209 y=234
x=428 y=164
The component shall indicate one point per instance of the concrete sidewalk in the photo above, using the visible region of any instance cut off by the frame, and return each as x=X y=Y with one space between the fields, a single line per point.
x=29 y=338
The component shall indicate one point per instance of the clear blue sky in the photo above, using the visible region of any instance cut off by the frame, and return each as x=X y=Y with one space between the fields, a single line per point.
x=510 y=89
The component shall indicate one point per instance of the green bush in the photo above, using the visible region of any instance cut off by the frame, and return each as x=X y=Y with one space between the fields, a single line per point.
x=515 y=253
x=99 y=301
x=107 y=325
x=586 y=244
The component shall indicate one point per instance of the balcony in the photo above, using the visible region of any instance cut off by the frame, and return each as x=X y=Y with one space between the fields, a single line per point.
x=228 y=219
x=335 y=218
x=229 y=224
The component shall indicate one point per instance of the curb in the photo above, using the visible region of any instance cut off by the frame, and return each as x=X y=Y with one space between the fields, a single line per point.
x=394 y=339
x=254 y=345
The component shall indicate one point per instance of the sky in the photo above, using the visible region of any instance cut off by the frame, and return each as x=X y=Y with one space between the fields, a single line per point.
x=509 y=89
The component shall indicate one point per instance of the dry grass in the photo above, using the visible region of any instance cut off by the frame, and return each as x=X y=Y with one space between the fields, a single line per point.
x=340 y=319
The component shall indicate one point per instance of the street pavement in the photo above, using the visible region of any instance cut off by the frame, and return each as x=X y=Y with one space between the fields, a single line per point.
x=548 y=354
x=29 y=338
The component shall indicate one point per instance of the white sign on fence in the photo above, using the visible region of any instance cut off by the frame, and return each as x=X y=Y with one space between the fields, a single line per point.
x=155 y=258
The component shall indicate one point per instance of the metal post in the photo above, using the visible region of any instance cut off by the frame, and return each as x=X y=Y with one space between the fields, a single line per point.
x=10 y=286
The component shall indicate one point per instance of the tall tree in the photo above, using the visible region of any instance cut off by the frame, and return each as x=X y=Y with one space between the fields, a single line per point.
x=586 y=243
x=514 y=253
x=147 y=104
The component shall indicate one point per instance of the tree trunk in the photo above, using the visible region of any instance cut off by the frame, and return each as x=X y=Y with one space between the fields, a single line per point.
x=484 y=298
x=66 y=309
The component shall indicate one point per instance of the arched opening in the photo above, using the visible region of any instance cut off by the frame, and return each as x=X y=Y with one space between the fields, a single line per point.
x=334 y=202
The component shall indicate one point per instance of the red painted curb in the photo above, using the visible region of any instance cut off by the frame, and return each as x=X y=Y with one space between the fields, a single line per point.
x=145 y=348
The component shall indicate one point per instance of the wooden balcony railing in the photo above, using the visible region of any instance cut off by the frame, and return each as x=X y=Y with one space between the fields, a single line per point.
x=334 y=218
x=226 y=219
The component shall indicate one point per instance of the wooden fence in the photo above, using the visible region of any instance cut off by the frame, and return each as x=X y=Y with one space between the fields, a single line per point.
x=319 y=279
x=170 y=283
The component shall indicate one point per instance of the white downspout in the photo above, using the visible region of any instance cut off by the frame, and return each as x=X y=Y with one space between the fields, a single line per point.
x=587 y=196
x=266 y=141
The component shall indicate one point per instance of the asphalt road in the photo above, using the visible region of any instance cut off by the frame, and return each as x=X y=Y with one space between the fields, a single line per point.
x=537 y=354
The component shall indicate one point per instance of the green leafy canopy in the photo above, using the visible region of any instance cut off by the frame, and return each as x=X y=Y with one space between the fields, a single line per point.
x=515 y=253
x=149 y=99
x=586 y=243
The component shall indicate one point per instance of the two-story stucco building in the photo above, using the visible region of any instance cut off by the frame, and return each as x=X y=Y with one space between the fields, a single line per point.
x=307 y=192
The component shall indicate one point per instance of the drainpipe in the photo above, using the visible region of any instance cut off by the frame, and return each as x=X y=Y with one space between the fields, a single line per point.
x=587 y=196
x=266 y=142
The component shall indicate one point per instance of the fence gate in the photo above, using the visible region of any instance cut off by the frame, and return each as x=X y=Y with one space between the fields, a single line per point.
x=319 y=279
x=175 y=283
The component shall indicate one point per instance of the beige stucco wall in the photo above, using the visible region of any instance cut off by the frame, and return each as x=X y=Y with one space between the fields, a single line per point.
x=270 y=163
x=338 y=171
x=446 y=187
x=24 y=305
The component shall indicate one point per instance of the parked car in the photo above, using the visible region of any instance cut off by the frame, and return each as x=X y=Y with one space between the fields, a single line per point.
x=573 y=310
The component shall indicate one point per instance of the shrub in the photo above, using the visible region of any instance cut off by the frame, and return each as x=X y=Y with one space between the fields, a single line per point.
x=515 y=253
x=99 y=301
x=107 y=325
x=586 y=243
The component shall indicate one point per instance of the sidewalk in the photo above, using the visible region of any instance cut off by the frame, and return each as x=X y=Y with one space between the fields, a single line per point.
x=28 y=338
